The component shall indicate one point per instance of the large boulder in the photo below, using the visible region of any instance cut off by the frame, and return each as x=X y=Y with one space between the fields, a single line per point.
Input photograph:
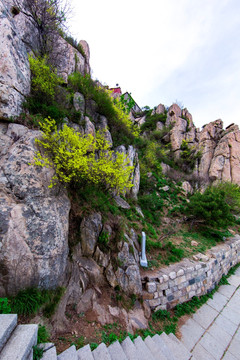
x=33 y=218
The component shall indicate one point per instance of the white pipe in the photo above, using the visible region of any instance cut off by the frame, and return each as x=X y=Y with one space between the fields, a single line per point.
x=143 y=259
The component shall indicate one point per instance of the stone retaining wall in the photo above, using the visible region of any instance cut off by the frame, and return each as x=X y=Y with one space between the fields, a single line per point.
x=178 y=283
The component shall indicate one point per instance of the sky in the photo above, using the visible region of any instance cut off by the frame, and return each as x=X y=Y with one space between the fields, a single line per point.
x=166 y=51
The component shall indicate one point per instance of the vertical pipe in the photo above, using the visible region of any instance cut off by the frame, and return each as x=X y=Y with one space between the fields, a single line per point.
x=143 y=259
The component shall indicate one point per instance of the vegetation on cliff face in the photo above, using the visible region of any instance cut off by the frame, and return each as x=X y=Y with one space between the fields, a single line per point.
x=73 y=157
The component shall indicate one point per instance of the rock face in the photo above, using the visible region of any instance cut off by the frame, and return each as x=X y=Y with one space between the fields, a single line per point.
x=220 y=159
x=33 y=218
x=14 y=66
x=18 y=38
x=225 y=165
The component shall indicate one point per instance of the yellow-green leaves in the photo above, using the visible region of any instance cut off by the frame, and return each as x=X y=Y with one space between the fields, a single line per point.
x=79 y=158
x=44 y=79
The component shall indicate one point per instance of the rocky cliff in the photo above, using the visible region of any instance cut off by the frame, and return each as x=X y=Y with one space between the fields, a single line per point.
x=219 y=158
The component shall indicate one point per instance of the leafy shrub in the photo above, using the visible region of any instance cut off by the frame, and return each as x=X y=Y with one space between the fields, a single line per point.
x=5 y=307
x=210 y=208
x=151 y=121
x=232 y=195
x=188 y=156
x=73 y=156
x=44 y=80
x=122 y=128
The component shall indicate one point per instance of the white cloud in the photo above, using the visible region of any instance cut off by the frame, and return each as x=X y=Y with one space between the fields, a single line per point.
x=165 y=50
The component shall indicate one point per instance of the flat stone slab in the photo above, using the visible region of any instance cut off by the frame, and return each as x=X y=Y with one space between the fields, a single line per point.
x=213 y=346
x=116 y=352
x=231 y=315
x=191 y=332
x=142 y=349
x=234 y=347
x=234 y=280
x=227 y=290
x=69 y=354
x=220 y=334
x=8 y=323
x=229 y=356
x=237 y=272
x=218 y=301
x=226 y=324
x=20 y=344
x=205 y=316
x=101 y=353
x=154 y=348
x=85 y=353
x=202 y=354
x=129 y=349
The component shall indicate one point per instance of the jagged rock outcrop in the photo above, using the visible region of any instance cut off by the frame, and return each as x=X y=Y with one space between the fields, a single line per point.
x=225 y=164
x=208 y=139
x=182 y=128
x=219 y=161
x=33 y=218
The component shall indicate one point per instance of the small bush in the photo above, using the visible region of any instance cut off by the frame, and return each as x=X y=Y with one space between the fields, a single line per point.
x=5 y=307
x=210 y=208
x=122 y=129
x=44 y=80
x=73 y=157
x=151 y=121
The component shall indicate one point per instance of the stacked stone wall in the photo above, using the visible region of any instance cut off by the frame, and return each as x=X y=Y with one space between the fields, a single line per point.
x=178 y=283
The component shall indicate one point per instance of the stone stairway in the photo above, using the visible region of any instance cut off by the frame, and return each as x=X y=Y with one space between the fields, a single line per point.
x=212 y=333
x=17 y=341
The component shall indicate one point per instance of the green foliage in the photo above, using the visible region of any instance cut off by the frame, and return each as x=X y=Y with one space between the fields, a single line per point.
x=44 y=89
x=151 y=121
x=44 y=79
x=73 y=156
x=127 y=104
x=93 y=346
x=174 y=254
x=37 y=353
x=122 y=128
x=103 y=238
x=210 y=207
x=5 y=307
x=232 y=195
x=188 y=156
x=43 y=335
x=52 y=298
x=27 y=302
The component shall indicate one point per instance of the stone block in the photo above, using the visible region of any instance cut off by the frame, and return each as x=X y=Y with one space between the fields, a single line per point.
x=151 y=287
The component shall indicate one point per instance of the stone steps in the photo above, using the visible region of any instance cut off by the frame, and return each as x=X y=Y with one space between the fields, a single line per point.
x=16 y=342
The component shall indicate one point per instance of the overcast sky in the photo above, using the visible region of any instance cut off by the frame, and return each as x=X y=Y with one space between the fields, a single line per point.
x=163 y=51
